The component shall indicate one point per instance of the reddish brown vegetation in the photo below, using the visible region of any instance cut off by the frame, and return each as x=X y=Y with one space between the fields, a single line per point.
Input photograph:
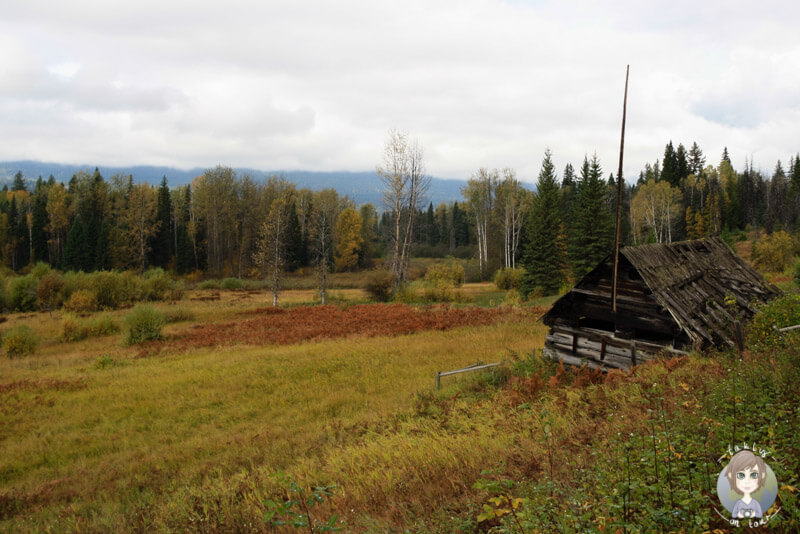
x=41 y=385
x=278 y=326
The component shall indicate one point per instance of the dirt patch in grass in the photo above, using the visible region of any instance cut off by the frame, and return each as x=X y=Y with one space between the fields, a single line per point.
x=279 y=326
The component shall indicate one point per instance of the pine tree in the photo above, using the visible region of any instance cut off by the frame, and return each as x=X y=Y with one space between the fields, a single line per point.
x=592 y=236
x=543 y=259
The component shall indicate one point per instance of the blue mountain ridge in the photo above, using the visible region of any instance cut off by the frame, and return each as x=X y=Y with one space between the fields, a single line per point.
x=362 y=187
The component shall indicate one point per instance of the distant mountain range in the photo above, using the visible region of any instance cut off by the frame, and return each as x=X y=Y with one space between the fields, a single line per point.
x=362 y=187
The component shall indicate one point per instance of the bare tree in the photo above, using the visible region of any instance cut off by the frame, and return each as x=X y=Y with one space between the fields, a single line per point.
x=480 y=196
x=140 y=219
x=512 y=202
x=404 y=188
x=270 y=252
x=327 y=205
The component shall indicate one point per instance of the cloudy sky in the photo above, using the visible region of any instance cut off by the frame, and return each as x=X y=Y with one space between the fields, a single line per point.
x=316 y=85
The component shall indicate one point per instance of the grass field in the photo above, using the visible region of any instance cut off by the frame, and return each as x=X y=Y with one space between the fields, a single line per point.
x=99 y=437
x=92 y=433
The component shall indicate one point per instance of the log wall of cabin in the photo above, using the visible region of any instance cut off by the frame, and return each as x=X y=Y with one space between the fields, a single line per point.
x=638 y=315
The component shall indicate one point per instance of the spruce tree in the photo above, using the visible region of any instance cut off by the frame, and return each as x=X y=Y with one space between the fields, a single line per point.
x=75 y=252
x=161 y=250
x=296 y=254
x=592 y=235
x=39 y=221
x=543 y=259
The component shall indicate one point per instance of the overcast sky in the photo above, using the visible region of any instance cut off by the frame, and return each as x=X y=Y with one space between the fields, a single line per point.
x=316 y=85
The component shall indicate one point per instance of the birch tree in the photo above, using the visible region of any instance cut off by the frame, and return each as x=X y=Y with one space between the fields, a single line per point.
x=655 y=208
x=513 y=201
x=270 y=253
x=480 y=196
x=140 y=221
x=327 y=205
x=404 y=188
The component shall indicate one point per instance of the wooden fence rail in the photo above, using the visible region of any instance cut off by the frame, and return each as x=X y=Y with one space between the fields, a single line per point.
x=474 y=367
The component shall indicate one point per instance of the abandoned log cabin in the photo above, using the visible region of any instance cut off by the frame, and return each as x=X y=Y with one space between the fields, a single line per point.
x=670 y=298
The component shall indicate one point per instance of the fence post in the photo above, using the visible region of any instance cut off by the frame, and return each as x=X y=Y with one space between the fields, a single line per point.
x=438 y=380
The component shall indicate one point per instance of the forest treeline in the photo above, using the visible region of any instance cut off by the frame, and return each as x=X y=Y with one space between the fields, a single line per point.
x=227 y=224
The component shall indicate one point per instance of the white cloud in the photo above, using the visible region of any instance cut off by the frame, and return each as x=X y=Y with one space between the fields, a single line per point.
x=316 y=85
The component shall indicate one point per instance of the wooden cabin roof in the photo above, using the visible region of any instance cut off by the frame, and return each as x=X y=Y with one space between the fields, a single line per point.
x=689 y=280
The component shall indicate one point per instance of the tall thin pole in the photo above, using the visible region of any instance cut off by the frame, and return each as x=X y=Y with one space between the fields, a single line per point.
x=619 y=196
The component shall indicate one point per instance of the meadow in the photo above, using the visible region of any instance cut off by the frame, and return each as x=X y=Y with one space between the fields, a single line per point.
x=345 y=430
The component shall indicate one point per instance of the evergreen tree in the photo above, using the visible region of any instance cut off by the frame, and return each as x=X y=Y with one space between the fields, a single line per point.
x=460 y=226
x=19 y=182
x=102 y=254
x=76 y=249
x=593 y=233
x=569 y=192
x=543 y=259
x=670 y=167
x=681 y=164
x=13 y=234
x=296 y=246
x=39 y=222
x=696 y=160
x=161 y=250
x=431 y=228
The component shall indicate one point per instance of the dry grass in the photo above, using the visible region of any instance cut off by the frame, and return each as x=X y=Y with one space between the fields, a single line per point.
x=94 y=436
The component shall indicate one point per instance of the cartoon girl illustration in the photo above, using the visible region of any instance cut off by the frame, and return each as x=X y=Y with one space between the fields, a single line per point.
x=746 y=474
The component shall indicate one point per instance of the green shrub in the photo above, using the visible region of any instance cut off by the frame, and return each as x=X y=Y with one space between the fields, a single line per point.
x=22 y=293
x=232 y=283
x=509 y=278
x=75 y=282
x=774 y=252
x=209 y=284
x=73 y=329
x=144 y=324
x=451 y=273
x=19 y=341
x=439 y=291
x=40 y=270
x=176 y=291
x=781 y=312
x=407 y=293
x=379 y=285
x=109 y=289
x=103 y=326
x=49 y=291
x=132 y=287
x=81 y=301
x=156 y=285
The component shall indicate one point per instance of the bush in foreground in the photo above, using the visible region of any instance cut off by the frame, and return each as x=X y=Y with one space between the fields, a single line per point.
x=19 y=341
x=144 y=324
x=509 y=278
x=379 y=285
x=81 y=301
x=73 y=329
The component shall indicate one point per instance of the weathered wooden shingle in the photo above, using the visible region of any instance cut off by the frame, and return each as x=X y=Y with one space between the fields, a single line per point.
x=672 y=296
